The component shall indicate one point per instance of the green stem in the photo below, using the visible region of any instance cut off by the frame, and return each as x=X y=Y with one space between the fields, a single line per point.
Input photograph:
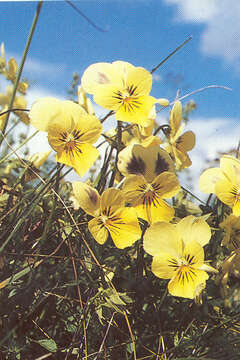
x=34 y=201
x=50 y=218
x=19 y=147
x=19 y=73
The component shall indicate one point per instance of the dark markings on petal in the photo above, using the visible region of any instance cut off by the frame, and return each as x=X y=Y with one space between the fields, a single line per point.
x=92 y=196
x=161 y=165
x=136 y=166
x=131 y=89
x=173 y=263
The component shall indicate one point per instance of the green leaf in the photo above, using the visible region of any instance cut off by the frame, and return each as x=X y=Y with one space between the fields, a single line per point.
x=48 y=344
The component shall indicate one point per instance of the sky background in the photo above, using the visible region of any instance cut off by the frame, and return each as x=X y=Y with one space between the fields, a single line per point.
x=142 y=32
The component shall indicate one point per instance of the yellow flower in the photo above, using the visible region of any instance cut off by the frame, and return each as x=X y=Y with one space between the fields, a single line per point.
x=2 y=58
x=229 y=267
x=36 y=160
x=224 y=182
x=111 y=217
x=178 y=254
x=121 y=87
x=231 y=227
x=178 y=145
x=84 y=101
x=12 y=70
x=19 y=103
x=149 y=180
x=71 y=131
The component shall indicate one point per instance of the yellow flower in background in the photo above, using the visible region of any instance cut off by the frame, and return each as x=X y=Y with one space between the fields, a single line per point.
x=71 y=131
x=2 y=58
x=224 y=182
x=150 y=179
x=84 y=101
x=111 y=217
x=178 y=254
x=178 y=145
x=19 y=103
x=231 y=227
x=121 y=87
x=36 y=160
x=229 y=267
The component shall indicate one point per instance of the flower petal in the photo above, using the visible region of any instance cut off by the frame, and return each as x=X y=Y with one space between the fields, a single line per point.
x=186 y=142
x=226 y=191
x=124 y=228
x=162 y=266
x=111 y=200
x=158 y=210
x=162 y=237
x=43 y=111
x=175 y=117
x=208 y=180
x=99 y=74
x=186 y=282
x=139 y=160
x=236 y=207
x=81 y=159
x=87 y=197
x=166 y=185
x=194 y=228
x=98 y=230
x=137 y=112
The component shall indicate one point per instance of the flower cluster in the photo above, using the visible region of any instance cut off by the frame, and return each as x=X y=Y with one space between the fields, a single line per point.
x=134 y=196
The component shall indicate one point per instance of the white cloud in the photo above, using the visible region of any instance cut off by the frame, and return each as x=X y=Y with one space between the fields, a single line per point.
x=222 y=31
x=194 y=10
x=213 y=135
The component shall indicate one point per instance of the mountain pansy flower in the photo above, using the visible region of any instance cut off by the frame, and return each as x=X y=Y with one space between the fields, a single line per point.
x=150 y=179
x=71 y=131
x=178 y=254
x=178 y=145
x=224 y=182
x=121 y=87
x=110 y=216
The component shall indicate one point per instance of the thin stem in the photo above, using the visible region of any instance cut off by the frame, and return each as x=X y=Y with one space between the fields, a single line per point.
x=19 y=73
x=171 y=54
x=19 y=147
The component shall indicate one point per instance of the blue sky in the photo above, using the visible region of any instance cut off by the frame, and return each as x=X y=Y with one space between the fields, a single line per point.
x=142 y=32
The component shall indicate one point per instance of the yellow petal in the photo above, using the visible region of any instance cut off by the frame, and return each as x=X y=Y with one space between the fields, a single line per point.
x=162 y=237
x=166 y=185
x=149 y=162
x=98 y=230
x=89 y=128
x=84 y=101
x=230 y=167
x=132 y=188
x=186 y=142
x=159 y=210
x=135 y=111
x=141 y=79
x=81 y=160
x=87 y=197
x=111 y=200
x=208 y=180
x=124 y=228
x=226 y=192
x=175 y=117
x=43 y=111
x=99 y=74
x=186 y=282
x=163 y=265
x=193 y=253
x=236 y=208
x=194 y=228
